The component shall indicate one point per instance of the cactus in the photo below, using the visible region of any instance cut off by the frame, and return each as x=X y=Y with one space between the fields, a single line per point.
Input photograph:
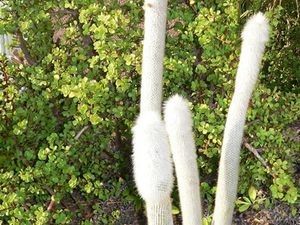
x=153 y=54
x=155 y=140
x=5 y=40
x=153 y=167
x=255 y=36
x=152 y=163
x=178 y=119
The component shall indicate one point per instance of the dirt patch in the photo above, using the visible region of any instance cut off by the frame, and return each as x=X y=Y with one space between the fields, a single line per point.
x=280 y=214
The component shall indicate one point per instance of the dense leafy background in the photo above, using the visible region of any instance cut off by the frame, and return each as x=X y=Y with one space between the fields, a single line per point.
x=79 y=69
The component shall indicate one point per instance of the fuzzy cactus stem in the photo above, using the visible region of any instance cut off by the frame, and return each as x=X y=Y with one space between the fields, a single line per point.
x=153 y=54
x=152 y=162
x=152 y=167
x=159 y=213
x=255 y=36
x=178 y=120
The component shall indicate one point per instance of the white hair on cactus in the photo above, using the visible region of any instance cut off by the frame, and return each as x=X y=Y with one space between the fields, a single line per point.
x=256 y=29
x=152 y=162
x=178 y=119
x=177 y=114
x=254 y=36
x=153 y=54
x=151 y=158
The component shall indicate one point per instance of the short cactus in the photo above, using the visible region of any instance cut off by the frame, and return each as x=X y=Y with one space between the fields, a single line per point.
x=178 y=119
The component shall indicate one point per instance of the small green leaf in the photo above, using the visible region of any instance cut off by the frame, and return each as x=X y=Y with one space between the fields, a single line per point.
x=88 y=187
x=175 y=210
x=244 y=207
x=95 y=119
x=240 y=202
x=247 y=200
x=73 y=182
x=82 y=108
x=252 y=193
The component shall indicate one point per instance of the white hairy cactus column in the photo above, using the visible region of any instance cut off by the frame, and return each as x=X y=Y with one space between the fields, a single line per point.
x=255 y=36
x=178 y=119
x=153 y=167
x=153 y=54
x=152 y=162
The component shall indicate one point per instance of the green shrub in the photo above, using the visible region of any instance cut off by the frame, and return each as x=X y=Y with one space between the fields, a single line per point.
x=85 y=75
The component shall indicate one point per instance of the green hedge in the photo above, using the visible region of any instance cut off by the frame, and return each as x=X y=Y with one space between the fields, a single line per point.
x=83 y=73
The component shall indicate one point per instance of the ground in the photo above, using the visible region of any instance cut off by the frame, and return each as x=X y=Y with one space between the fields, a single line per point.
x=279 y=214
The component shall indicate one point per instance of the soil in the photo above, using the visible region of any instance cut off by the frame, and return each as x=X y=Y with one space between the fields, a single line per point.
x=279 y=214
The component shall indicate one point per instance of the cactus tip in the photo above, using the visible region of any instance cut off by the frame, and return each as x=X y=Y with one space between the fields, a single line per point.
x=256 y=29
x=177 y=113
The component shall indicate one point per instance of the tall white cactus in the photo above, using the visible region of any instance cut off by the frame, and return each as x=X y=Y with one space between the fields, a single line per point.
x=152 y=163
x=255 y=36
x=153 y=54
x=178 y=119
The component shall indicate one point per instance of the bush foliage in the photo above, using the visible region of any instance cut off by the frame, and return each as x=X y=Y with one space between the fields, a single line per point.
x=67 y=108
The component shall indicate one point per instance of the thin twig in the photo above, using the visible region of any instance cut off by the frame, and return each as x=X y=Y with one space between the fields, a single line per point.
x=9 y=208
x=81 y=132
x=187 y=2
x=87 y=39
x=24 y=47
x=51 y=204
x=65 y=11
x=298 y=13
x=257 y=155
x=48 y=189
x=6 y=79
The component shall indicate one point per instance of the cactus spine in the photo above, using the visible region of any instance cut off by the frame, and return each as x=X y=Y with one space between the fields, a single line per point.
x=255 y=36
x=152 y=163
x=178 y=119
